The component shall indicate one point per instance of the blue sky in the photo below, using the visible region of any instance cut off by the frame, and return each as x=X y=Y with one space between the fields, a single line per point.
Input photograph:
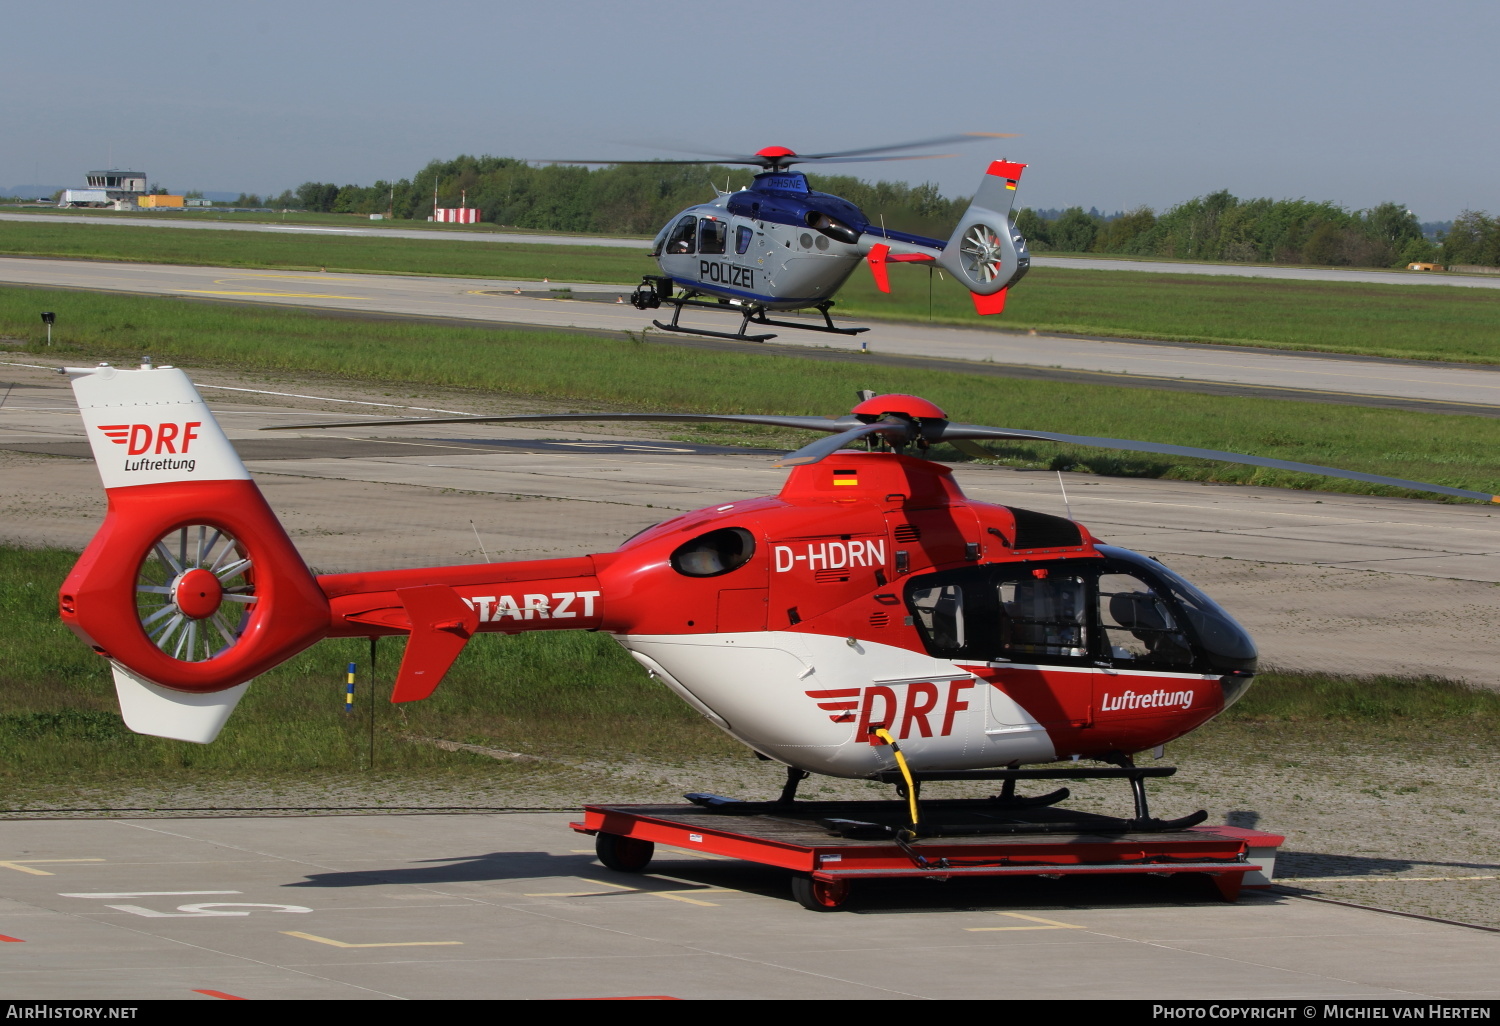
x=1117 y=104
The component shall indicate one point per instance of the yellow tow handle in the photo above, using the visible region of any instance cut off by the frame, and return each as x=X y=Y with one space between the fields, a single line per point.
x=911 y=787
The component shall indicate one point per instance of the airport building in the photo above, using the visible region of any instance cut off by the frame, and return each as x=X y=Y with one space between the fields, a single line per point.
x=118 y=188
x=125 y=184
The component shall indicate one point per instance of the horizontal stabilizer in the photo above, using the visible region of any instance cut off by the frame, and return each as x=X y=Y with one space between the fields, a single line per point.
x=161 y=712
x=441 y=625
x=881 y=254
x=877 y=257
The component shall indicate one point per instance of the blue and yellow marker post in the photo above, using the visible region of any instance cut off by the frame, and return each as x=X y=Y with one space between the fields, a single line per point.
x=349 y=689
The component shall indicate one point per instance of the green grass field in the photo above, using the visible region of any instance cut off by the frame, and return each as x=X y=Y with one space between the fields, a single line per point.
x=564 y=695
x=1415 y=322
x=1459 y=451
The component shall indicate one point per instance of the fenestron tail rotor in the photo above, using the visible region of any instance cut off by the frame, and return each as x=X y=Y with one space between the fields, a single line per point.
x=195 y=592
x=981 y=253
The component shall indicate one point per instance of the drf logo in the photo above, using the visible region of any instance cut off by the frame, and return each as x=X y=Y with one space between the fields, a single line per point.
x=924 y=709
x=139 y=438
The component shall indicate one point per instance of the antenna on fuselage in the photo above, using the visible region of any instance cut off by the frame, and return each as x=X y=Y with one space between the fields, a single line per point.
x=872 y=442
x=483 y=553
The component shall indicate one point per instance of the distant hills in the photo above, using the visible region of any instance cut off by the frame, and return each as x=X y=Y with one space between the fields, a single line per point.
x=32 y=191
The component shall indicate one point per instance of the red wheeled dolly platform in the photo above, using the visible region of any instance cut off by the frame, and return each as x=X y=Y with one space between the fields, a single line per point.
x=804 y=837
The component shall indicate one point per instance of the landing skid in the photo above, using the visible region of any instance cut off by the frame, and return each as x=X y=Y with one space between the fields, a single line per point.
x=738 y=336
x=1125 y=768
x=1005 y=813
x=654 y=291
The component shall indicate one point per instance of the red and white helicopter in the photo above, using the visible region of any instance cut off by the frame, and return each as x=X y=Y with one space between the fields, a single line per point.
x=867 y=613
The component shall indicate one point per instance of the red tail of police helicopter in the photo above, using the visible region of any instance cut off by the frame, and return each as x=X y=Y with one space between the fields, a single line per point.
x=778 y=245
x=867 y=613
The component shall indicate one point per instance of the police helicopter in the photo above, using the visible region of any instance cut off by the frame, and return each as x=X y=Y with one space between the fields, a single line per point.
x=778 y=245
x=867 y=621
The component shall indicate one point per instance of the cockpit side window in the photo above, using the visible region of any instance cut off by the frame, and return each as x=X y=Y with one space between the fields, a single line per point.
x=681 y=240
x=1138 y=625
x=742 y=236
x=717 y=552
x=1044 y=615
x=712 y=234
x=940 y=611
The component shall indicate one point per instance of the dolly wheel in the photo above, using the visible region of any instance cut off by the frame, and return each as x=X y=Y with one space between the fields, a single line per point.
x=820 y=895
x=623 y=854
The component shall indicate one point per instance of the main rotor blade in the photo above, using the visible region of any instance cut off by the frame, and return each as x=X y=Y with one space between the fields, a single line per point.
x=863 y=155
x=815 y=451
x=809 y=423
x=941 y=140
x=864 y=160
x=759 y=161
x=967 y=431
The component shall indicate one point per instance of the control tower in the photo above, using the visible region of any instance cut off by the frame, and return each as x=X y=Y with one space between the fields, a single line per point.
x=117 y=184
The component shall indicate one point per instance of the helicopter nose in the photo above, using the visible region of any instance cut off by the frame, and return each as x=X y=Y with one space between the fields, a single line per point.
x=1234 y=684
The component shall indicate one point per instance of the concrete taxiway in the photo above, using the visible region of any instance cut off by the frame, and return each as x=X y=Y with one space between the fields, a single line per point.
x=1457 y=388
x=514 y=906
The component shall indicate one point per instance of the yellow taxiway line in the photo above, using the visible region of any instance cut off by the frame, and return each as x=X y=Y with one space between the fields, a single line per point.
x=1046 y=924
x=24 y=865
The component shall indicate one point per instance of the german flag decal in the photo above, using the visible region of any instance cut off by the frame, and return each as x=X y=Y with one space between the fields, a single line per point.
x=846 y=477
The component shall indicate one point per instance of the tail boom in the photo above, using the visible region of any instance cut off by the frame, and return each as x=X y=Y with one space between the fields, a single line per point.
x=441 y=609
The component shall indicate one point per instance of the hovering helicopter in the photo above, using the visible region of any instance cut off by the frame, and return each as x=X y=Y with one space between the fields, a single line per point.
x=779 y=245
x=868 y=613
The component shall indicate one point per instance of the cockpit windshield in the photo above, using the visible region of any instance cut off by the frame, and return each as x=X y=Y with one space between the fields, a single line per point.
x=1123 y=610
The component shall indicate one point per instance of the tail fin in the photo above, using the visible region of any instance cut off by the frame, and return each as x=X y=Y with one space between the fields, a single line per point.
x=985 y=252
x=190 y=588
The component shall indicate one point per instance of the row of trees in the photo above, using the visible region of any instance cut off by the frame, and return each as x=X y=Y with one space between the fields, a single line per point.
x=1474 y=238
x=1221 y=226
x=639 y=198
x=634 y=199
